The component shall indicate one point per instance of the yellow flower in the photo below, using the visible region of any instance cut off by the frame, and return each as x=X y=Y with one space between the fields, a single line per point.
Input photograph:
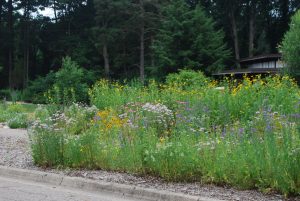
x=162 y=139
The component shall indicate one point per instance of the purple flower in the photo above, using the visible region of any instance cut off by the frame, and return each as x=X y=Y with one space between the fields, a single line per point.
x=241 y=131
x=224 y=132
x=295 y=116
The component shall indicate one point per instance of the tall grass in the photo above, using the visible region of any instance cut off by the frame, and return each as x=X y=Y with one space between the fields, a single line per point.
x=245 y=134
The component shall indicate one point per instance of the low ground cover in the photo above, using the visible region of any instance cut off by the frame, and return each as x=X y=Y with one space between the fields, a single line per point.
x=16 y=115
x=241 y=133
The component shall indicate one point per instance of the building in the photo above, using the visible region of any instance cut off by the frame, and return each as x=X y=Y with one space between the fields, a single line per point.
x=262 y=64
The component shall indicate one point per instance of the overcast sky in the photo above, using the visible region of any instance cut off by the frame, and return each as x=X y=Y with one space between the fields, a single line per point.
x=47 y=12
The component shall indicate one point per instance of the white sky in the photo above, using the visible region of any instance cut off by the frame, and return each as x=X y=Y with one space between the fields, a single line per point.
x=47 y=12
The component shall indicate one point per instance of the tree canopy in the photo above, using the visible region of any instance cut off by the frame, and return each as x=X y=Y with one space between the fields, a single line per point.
x=124 y=39
x=291 y=46
x=188 y=39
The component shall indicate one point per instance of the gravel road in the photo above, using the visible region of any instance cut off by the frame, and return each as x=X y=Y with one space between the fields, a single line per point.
x=15 y=152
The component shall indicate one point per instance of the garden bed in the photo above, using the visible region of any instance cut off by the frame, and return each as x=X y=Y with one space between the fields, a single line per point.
x=191 y=129
x=15 y=152
x=187 y=130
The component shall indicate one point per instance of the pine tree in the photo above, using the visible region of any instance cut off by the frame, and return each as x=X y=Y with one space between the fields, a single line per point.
x=108 y=26
x=188 y=39
x=291 y=48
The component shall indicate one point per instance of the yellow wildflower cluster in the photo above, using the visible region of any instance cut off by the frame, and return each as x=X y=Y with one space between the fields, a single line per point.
x=256 y=82
x=109 y=119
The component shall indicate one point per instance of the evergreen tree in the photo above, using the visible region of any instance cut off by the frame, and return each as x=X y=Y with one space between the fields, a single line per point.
x=108 y=26
x=188 y=39
x=144 y=19
x=291 y=46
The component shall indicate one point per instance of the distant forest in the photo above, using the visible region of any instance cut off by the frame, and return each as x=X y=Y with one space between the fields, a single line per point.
x=124 y=39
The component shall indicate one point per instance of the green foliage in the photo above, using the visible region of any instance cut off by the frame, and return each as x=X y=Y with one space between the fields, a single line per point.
x=37 y=88
x=16 y=95
x=188 y=38
x=11 y=95
x=4 y=116
x=4 y=94
x=238 y=133
x=16 y=115
x=187 y=79
x=290 y=47
x=68 y=124
x=80 y=117
x=18 y=120
x=33 y=45
x=70 y=85
x=9 y=111
x=41 y=113
x=108 y=20
x=15 y=108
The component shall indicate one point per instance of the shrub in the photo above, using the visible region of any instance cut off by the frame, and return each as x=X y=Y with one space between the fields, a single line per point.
x=35 y=92
x=16 y=115
x=11 y=95
x=5 y=94
x=105 y=94
x=4 y=116
x=187 y=79
x=18 y=121
x=69 y=84
x=15 y=108
x=41 y=113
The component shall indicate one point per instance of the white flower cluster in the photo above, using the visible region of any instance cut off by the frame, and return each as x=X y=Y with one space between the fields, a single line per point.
x=157 y=108
x=83 y=108
x=37 y=124
x=53 y=123
x=159 y=114
x=67 y=118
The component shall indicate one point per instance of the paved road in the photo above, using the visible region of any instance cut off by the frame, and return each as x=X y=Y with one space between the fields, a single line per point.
x=14 y=190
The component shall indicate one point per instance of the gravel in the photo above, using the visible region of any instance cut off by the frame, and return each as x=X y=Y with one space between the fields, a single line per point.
x=15 y=152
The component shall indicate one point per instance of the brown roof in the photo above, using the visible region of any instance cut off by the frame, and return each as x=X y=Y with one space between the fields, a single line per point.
x=249 y=71
x=261 y=57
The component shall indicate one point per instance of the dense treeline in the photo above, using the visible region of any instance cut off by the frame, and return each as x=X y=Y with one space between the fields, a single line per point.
x=135 y=38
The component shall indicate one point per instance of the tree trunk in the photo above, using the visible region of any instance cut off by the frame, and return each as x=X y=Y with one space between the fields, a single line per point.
x=26 y=46
x=106 y=61
x=54 y=10
x=251 y=29
x=1 y=5
x=235 y=38
x=11 y=43
x=26 y=66
x=152 y=54
x=125 y=66
x=142 y=44
x=142 y=56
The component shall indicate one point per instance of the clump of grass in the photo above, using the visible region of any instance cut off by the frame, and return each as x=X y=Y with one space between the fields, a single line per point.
x=18 y=120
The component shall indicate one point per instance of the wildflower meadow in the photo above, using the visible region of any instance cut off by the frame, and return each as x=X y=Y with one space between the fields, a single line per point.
x=243 y=133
